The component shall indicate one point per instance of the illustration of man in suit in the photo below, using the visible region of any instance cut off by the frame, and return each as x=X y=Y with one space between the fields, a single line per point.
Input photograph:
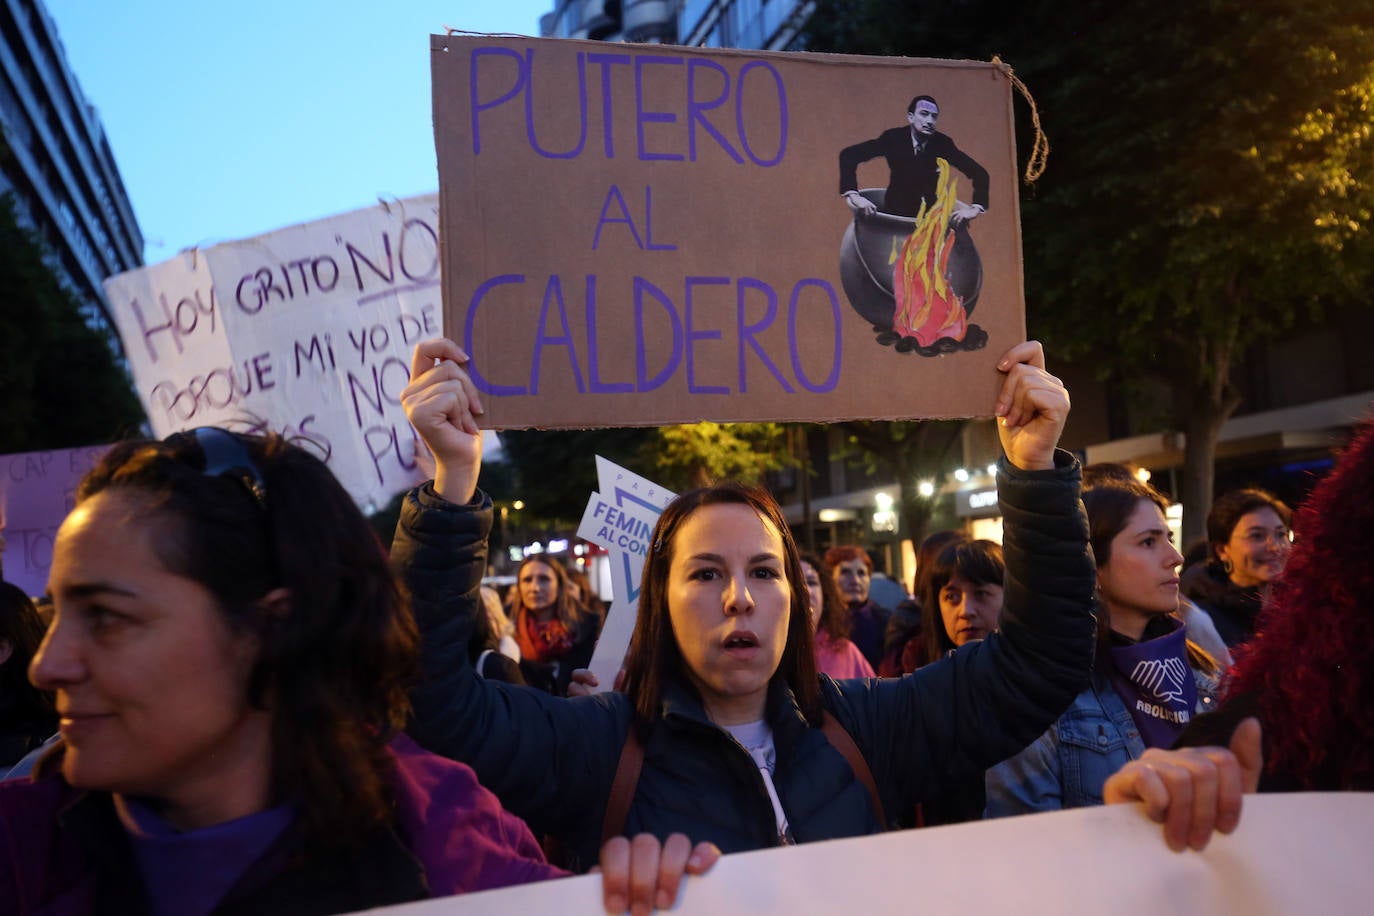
x=912 y=155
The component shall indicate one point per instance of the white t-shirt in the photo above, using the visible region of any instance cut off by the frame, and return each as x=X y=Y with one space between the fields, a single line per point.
x=757 y=738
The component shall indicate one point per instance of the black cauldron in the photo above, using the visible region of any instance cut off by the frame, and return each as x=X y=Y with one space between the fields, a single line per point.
x=867 y=275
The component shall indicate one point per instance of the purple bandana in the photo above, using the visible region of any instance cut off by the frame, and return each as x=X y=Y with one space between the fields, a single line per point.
x=1156 y=684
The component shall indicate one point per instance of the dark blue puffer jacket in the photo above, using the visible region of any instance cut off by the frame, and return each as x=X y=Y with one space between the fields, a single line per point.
x=552 y=761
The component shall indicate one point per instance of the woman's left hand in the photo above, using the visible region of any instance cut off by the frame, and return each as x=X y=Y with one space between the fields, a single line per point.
x=1192 y=791
x=642 y=875
x=442 y=404
x=1031 y=408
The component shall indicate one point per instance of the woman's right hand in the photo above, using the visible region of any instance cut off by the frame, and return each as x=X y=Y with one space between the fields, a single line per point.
x=1032 y=408
x=442 y=404
x=1192 y=791
x=584 y=683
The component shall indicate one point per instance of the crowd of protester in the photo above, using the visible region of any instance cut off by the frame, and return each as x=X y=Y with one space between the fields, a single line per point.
x=554 y=629
x=243 y=704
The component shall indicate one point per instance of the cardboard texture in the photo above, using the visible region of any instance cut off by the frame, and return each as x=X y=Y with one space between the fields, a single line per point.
x=307 y=331
x=645 y=234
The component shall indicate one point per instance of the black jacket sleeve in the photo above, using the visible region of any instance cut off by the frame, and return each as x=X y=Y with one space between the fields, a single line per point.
x=549 y=760
x=988 y=700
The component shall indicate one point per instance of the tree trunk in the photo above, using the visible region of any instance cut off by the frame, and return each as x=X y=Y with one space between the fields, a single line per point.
x=1203 y=401
x=1202 y=427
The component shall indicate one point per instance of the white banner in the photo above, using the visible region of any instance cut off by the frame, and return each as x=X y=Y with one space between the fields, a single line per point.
x=1299 y=853
x=306 y=331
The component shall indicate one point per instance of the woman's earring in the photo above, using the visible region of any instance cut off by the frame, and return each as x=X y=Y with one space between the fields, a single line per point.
x=1227 y=566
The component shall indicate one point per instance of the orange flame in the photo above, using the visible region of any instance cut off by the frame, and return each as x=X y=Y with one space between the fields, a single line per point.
x=927 y=309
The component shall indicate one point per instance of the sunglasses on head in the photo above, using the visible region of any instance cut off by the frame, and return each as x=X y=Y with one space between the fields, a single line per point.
x=223 y=454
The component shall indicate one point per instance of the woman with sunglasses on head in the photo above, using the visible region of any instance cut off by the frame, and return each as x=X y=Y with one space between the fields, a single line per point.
x=724 y=730
x=230 y=654
x=1248 y=540
x=1149 y=680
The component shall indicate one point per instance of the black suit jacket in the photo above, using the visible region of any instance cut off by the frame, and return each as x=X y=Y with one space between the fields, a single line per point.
x=913 y=177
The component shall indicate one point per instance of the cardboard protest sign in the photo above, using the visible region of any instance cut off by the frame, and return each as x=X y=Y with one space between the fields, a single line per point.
x=1294 y=853
x=307 y=331
x=641 y=234
x=37 y=490
x=620 y=517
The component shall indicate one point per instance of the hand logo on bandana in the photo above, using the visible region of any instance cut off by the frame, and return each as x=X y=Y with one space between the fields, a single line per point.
x=1163 y=677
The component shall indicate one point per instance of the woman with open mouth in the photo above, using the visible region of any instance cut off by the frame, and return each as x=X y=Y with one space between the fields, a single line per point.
x=724 y=730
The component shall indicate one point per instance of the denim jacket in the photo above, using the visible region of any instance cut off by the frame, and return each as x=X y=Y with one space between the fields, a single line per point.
x=1068 y=765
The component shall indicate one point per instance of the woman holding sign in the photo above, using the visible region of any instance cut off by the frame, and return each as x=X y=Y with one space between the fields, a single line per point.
x=724 y=730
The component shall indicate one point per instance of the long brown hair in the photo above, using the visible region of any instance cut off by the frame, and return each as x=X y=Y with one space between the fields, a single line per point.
x=572 y=614
x=335 y=667
x=654 y=656
x=834 y=617
x=1110 y=502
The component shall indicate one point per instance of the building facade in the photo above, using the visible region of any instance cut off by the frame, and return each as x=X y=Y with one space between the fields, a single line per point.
x=772 y=25
x=56 y=162
x=643 y=21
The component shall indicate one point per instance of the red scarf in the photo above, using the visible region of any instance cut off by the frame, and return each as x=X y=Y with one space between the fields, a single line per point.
x=541 y=642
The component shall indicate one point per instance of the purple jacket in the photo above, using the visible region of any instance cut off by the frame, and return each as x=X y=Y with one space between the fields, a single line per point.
x=61 y=850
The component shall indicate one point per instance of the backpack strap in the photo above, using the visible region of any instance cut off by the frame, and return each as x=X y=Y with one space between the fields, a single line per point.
x=836 y=734
x=632 y=761
x=623 y=786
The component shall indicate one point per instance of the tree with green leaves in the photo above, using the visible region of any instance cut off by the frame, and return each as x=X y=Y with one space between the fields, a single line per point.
x=1211 y=185
x=62 y=384
x=1212 y=189
x=553 y=471
x=698 y=454
x=908 y=451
